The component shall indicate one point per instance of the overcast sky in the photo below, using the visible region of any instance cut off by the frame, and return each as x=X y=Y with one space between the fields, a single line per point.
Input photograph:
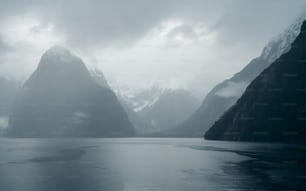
x=138 y=43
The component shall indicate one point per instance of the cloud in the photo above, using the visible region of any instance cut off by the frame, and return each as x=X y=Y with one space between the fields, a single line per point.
x=101 y=22
x=106 y=22
x=3 y=46
x=3 y=122
x=232 y=89
x=79 y=117
x=4 y=49
x=257 y=21
x=23 y=39
x=194 y=43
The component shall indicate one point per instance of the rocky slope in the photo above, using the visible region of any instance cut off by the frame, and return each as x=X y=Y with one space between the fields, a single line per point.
x=225 y=94
x=273 y=107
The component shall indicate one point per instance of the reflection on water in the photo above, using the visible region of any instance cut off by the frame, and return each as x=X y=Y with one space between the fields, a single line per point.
x=148 y=164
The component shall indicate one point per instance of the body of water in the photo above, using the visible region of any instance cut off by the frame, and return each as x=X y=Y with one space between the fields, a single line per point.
x=149 y=164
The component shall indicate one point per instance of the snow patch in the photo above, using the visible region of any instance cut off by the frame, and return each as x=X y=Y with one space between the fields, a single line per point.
x=146 y=104
x=138 y=99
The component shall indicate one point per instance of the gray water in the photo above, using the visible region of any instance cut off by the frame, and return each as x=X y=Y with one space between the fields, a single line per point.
x=148 y=164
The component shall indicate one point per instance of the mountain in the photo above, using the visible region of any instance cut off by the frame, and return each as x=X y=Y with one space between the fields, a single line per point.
x=141 y=125
x=273 y=107
x=8 y=89
x=156 y=109
x=172 y=107
x=62 y=99
x=98 y=77
x=137 y=99
x=225 y=94
x=134 y=101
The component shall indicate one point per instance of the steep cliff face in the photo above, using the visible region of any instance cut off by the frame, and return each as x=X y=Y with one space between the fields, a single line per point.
x=62 y=99
x=273 y=107
x=225 y=94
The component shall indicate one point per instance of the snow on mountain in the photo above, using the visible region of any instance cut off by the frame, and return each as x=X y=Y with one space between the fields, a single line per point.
x=171 y=108
x=137 y=99
x=282 y=117
x=225 y=94
x=98 y=77
x=156 y=108
x=282 y=43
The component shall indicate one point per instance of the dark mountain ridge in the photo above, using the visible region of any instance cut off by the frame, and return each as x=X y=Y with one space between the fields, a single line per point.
x=225 y=94
x=273 y=107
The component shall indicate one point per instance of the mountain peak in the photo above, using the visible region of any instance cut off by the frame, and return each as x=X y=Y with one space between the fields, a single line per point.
x=59 y=66
x=59 y=55
x=58 y=58
x=58 y=47
x=57 y=50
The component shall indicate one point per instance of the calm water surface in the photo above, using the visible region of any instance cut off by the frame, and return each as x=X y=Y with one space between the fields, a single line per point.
x=148 y=164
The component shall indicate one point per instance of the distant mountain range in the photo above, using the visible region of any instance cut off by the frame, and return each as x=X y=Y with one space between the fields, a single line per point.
x=170 y=109
x=157 y=109
x=61 y=98
x=273 y=107
x=225 y=94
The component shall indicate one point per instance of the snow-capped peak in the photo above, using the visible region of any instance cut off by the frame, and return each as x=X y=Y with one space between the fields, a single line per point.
x=282 y=43
x=137 y=99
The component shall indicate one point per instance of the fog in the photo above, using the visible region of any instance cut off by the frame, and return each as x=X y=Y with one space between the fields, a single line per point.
x=138 y=44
